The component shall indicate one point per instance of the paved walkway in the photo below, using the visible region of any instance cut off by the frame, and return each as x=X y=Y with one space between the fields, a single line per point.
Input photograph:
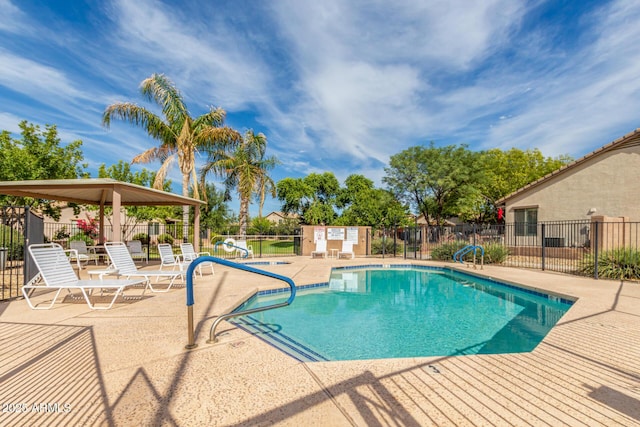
x=128 y=366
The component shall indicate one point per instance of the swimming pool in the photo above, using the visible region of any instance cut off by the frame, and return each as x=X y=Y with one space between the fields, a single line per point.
x=407 y=311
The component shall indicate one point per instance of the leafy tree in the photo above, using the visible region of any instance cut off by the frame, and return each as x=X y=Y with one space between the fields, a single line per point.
x=507 y=171
x=431 y=179
x=245 y=168
x=287 y=226
x=135 y=215
x=215 y=215
x=312 y=197
x=179 y=134
x=363 y=204
x=37 y=154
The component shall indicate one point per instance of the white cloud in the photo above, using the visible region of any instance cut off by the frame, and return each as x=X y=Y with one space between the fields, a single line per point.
x=12 y=17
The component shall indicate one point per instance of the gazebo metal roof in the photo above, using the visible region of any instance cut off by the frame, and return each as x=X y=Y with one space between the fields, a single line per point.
x=102 y=192
x=95 y=191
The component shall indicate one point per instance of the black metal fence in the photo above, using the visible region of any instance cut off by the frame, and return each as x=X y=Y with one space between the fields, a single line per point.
x=595 y=249
x=263 y=245
x=19 y=227
x=581 y=247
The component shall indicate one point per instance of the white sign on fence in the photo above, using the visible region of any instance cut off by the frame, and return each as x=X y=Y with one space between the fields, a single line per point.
x=335 y=233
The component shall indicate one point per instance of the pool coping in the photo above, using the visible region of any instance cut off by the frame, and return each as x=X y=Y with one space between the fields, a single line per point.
x=136 y=370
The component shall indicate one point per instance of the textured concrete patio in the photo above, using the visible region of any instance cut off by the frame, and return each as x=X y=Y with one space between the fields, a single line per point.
x=128 y=365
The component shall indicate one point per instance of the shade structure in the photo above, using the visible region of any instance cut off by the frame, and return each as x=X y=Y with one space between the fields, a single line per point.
x=101 y=192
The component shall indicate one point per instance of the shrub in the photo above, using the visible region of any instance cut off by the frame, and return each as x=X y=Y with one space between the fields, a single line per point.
x=143 y=237
x=81 y=236
x=495 y=253
x=445 y=251
x=623 y=264
x=377 y=245
x=61 y=234
x=13 y=240
x=165 y=238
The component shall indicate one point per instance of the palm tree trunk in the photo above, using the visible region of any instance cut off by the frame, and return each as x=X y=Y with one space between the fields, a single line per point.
x=244 y=214
x=185 y=209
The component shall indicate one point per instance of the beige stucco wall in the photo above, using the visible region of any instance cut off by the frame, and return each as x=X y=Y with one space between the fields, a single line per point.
x=608 y=182
x=363 y=246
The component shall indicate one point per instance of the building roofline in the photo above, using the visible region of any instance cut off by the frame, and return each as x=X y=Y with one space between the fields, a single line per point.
x=633 y=136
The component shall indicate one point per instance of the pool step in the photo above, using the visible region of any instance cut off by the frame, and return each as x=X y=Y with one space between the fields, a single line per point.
x=280 y=341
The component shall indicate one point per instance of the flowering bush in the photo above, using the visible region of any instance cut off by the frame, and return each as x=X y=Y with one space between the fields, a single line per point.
x=89 y=228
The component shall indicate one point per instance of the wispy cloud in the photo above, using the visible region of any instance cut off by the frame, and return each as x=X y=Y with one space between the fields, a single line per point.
x=334 y=85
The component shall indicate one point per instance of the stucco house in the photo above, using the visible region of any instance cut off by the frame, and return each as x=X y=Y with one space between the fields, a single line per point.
x=278 y=217
x=601 y=186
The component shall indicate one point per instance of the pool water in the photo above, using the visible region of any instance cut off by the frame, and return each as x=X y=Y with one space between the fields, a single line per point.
x=404 y=312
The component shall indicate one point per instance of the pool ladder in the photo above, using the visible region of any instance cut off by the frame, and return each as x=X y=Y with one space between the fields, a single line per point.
x=459 y=255
x=190 y=300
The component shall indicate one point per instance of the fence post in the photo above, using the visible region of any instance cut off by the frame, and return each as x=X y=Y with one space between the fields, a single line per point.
x=474 y=237
x=543 y=245
x=595 y=246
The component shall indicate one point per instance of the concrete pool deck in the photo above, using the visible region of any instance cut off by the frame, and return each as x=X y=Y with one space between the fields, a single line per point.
x=128 y=365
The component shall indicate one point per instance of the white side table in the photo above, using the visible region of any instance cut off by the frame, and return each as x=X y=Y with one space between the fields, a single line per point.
x=103 y=272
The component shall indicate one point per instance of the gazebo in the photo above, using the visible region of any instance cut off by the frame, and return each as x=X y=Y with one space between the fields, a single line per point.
x=101 y=192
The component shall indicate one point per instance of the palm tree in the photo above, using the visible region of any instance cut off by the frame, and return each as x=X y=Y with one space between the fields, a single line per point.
x=179 y=134
x=244 y=168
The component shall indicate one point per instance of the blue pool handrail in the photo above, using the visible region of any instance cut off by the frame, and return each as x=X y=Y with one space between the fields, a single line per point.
x=459 y=255
x=246 y=251
x=190 y=300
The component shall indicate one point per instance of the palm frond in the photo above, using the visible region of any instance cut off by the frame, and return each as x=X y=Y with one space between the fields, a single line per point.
x=160 y=89
x=162 y=172
x=211 y=138
x=138 y=116
x=215 y=117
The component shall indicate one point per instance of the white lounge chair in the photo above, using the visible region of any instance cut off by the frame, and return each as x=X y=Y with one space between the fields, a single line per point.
x=243 y=250
x=321 y=249
x=56 y=272
x=84 y=254
x=137 y=251
x=347 y=250
x=189 y=254
x=168 y=259
x=122 y=261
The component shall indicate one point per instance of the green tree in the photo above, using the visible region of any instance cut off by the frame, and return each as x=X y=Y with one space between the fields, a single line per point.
x=245 y=169
x=363 y=204
x=432 y=179
x=37 y=154
x=179 y=134
x=507 y=171
x=312 y=197
x=135 y=215
x=215 y=215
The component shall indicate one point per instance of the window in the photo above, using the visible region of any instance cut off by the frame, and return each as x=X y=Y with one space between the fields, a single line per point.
x=526 y=221
x=154 y=229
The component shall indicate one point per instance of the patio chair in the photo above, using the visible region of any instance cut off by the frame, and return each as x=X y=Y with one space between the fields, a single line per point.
x=137 y=251
x=56 y=272
x=189 y=254
x=122 y=261
x=243 y=250
x=168 y=259
x=321 y=249
x=84 y=253
x=347 y=250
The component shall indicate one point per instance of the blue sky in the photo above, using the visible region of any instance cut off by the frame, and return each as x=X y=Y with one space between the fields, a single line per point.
x=335 y=85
